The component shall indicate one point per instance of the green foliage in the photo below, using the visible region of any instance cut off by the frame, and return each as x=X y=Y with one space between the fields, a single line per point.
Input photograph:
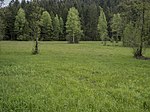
x=130 y=10
x=56 y=27
x=34 y=19
x=137 y=14
x=131 y=36
x=72 y=78
x=90 y=21
x=46 y=26
x=102 y=26
x=20 y=24
x=2 y=29
x=147 y=24
x=10 y=14
x=61 y=28
x=2 y=25
x=116 y=26
x=34 y=23
x=73 y=26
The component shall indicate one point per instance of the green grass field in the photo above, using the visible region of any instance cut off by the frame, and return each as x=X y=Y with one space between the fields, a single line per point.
x=85 y=77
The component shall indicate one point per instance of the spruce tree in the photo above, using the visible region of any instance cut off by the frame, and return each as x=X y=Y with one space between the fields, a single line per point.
x=73 y=26
x=116 y=26
x=56 y=27
x=46 y=26
x=102 y=26
x=20 y=23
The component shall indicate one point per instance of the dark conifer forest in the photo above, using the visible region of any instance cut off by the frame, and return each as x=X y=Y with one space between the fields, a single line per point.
x=89 y=11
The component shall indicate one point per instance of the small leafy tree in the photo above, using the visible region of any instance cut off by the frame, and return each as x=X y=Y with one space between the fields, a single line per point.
x=20 y=24
x=56 y=27
x=131 y=36
x=102 y=26
x=73 y=26
x=46 y=26
x=140 y=25
x=116 y=26
x=34 y=24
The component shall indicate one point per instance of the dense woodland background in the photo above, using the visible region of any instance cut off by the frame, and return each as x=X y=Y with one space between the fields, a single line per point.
x=89 y=11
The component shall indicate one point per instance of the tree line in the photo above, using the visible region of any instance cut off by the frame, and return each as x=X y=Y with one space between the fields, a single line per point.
x=73 y=20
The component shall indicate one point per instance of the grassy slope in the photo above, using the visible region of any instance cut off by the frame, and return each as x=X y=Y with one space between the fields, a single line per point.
x=87 y=77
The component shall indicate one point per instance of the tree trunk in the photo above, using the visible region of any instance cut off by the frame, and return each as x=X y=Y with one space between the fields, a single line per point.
x=73 y=39
x=139 y=51
x=36 y=46
x=105 y=42
x=117 y=38
x=36 y=51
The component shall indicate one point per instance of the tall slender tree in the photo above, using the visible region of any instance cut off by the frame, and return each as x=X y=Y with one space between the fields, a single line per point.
x=20 y=23
x=56 y=27
x=73 y=26
x=116 y=26
x=46 y=26
x=102 y=26
x=34 y=23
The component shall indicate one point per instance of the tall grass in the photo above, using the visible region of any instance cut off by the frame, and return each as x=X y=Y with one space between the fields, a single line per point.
x=85 y=77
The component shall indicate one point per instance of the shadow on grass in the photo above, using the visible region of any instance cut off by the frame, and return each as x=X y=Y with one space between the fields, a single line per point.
x=142 y=58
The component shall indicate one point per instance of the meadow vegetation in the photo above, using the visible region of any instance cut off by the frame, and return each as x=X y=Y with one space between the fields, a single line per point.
x=85 y=77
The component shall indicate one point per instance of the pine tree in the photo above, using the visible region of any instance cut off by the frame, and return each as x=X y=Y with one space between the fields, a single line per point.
x=56 y=27
x=20 y=23
x=116 y=26
x=73 y=26
x=46 y=26
x=102 y=26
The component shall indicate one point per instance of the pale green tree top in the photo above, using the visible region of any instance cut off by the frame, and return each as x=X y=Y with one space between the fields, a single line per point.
x=56 y=24
x=73 y=23
x=116 y=22
x=46 y=19
x=20 y=20
x=61 y=24
x=102 y=25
